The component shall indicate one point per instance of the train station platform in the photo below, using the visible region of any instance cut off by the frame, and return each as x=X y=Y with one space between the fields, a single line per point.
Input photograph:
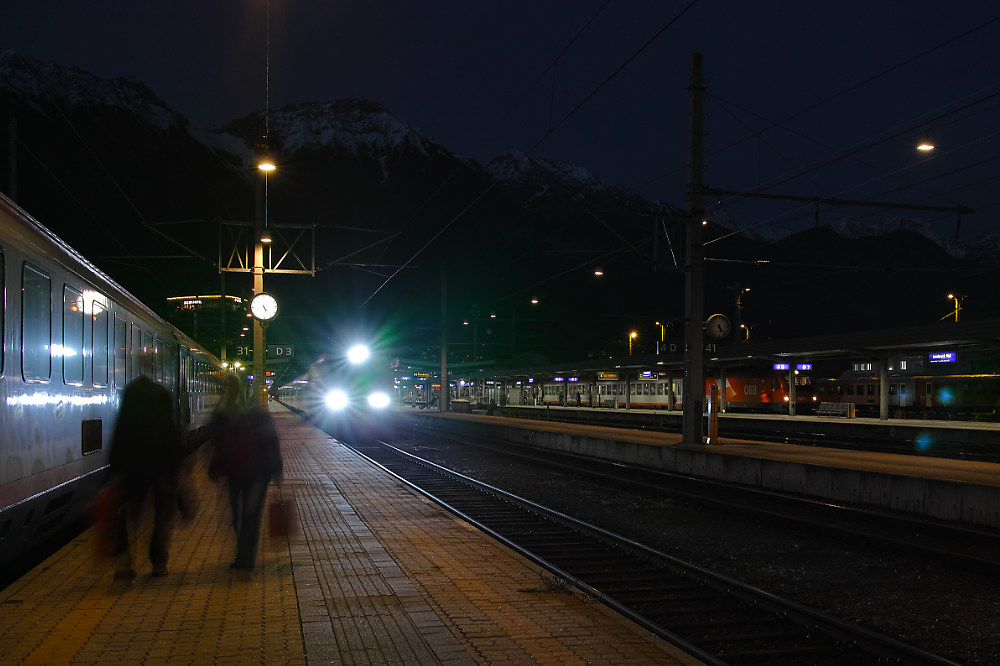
x=941 y=488
x=375 y=574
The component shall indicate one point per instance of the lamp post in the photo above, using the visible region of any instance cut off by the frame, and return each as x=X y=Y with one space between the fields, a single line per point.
x=958 y=306
x=265 y=166
x=631 y=336
x=738 y=292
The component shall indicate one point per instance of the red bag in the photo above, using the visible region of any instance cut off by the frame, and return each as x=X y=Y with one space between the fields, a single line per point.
x=103 y=515
x=282 y=519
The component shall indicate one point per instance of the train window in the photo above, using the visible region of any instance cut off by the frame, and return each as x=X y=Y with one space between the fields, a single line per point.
x=892 y=389
x=871 y=389
x=72 y=351
x=184 y=370
x=902 y=389
x=121 y=351
x=91 y=435
x=135 y=352
x=99 y=321
x=158 y=357
x=3 y=306
x=850 y=389
x=36 y=325
x=147 y=357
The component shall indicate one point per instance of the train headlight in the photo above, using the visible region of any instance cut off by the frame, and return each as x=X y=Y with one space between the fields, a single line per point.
x=358 y=354
x=336 y=400
x=378 y=400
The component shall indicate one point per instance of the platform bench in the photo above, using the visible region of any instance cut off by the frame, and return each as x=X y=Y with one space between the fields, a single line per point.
x=845 y=409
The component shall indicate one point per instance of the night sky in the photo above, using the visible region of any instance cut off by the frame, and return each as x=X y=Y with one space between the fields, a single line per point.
x=805 y=98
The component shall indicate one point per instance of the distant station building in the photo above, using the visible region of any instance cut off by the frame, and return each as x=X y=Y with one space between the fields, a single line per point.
x=214 y=320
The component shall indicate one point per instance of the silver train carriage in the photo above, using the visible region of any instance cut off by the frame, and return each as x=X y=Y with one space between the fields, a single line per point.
x=72 y=339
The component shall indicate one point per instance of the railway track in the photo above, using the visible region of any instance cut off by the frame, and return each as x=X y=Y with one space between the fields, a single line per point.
x=716 y=618
x=964 y=548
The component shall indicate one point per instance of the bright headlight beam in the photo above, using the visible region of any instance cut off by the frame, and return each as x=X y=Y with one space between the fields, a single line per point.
x=357 y=354
x=378 y=400
x=336 y=400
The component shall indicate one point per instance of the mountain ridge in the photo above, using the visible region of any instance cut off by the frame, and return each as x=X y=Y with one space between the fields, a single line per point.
x=392 y=209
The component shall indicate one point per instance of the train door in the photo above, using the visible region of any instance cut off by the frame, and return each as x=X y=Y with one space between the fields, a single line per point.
x=929 y=394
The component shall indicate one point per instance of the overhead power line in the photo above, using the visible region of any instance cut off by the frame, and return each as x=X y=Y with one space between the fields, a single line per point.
x=538 y=143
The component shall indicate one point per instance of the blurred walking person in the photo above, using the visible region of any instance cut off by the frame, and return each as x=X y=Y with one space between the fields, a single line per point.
x=145 y=457
x=248 y=455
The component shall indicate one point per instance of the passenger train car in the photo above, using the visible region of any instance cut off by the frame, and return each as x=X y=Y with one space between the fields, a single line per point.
x=72 y=339
x=745 y=391
x=963 y=384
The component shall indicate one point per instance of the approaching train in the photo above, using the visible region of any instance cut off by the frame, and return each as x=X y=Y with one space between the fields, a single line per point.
x=72 y=339
x=353 y=388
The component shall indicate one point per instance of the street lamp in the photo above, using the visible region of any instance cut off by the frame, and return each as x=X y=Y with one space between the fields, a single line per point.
x=958 y=306
x=266 y=166
x=631 y=336
x=926 y=144
x=738 y=291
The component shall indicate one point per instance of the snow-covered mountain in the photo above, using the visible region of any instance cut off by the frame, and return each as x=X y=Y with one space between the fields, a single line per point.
x=518 y=169
x=359 y=126
x=985 y=250
x=32 y=80
x=379 y=190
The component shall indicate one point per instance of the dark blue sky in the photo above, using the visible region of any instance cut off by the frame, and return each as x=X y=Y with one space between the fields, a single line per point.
x=463 y=72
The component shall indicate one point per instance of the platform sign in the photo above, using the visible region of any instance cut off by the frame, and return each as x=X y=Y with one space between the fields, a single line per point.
x=804 y=367
x=648 y=375
x=607 y=376
x=273 y=351
x=782 y=366
x=942 y=357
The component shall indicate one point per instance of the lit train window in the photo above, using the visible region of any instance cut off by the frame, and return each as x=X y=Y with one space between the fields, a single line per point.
x=121 y=351
x=36 y=325
x=161 y=354
x=72 y=350
x=135 y=352
x=3 y=307
x=147 y=358
x=99 y=335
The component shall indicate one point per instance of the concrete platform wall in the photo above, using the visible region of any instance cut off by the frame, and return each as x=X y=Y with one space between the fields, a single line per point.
x=944 y=500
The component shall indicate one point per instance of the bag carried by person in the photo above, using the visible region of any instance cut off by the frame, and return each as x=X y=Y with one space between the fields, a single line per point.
x=282 y=518
x=103 y=514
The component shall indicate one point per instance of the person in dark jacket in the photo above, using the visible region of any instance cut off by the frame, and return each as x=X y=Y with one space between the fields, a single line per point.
x=248 y=454
x=145 y=456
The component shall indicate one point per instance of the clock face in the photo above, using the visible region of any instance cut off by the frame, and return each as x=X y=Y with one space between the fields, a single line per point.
x=264 y=307
x=717 y=326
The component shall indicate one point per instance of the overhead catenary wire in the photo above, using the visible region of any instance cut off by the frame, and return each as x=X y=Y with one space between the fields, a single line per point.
x=553 y=127
x=844 y=91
